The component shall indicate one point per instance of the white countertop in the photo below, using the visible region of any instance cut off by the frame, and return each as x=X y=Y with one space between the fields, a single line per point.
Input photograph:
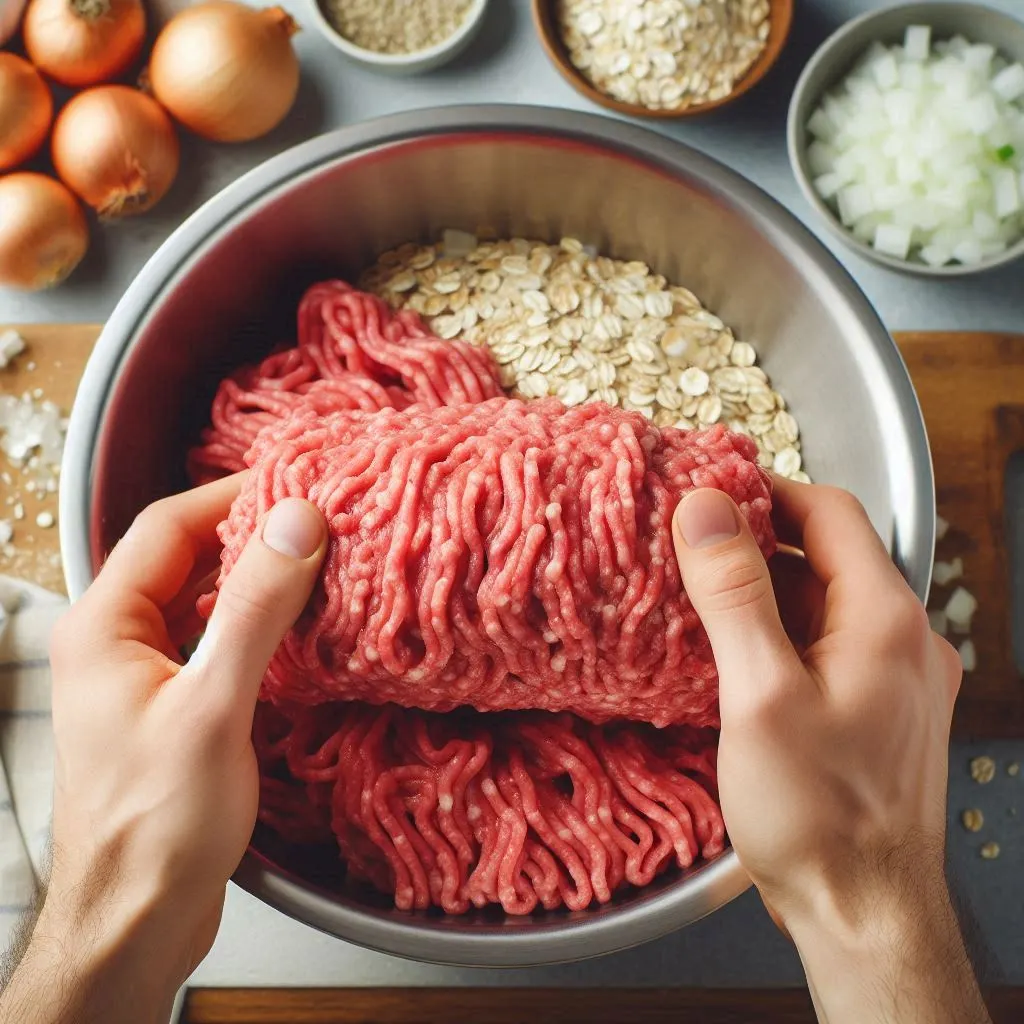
x=739 y=945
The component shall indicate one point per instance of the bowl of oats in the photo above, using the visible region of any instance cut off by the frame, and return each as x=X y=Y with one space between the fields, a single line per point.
x=663 y=58
x=400 y=37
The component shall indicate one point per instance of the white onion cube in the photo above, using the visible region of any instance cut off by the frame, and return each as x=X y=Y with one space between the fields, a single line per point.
x=854 y=203
x=1009 y=83
x=912 y=76
x=936 y=255
x=943 y=573
x=886 y=71
x=900 y=107
x=820 y=126
x=979 y=57
x=821 y=157
x=1006 y=192
x=968 y=655
x=941 y=527
x=892 y=240
x=827 y=185
x=968 y=252
x=982 y=114
x=917 y=42
x=961 y=606
x=938 y=622
x=986 y=227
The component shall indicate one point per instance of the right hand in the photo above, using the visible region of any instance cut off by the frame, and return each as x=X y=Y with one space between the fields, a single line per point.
x=833 y=758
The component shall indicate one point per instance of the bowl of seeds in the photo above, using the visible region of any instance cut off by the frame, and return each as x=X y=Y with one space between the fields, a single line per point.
x=663 y=58
x=401 y=37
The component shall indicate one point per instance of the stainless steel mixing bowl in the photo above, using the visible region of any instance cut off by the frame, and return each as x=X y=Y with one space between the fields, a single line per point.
x=224 y=288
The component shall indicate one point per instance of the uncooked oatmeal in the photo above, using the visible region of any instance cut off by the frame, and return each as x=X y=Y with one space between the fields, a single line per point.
x=563 y=321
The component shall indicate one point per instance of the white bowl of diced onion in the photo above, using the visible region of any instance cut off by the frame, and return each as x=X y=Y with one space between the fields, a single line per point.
x=906 y=132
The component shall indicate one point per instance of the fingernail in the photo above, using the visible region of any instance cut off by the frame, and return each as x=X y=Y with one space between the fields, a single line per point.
x=706 y=517
x=294 y=528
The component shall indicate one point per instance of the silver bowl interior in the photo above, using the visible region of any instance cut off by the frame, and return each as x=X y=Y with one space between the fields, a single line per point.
x=225 y=287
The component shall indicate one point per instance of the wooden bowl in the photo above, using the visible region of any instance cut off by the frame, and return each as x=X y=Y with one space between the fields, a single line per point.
x=781 y=18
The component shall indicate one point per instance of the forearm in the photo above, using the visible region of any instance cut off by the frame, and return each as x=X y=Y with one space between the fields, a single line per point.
x=904 y=963
x=112 y=967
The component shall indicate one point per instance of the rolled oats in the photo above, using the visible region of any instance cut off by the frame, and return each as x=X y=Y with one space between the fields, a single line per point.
x=563 y=321
x=664 y=54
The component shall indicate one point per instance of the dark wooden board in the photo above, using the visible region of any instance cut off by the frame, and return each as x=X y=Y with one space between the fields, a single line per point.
x=524 y=1006
x=971 y=388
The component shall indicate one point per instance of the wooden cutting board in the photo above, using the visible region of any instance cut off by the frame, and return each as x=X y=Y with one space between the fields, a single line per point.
x=524 y=1005
x=971 y=388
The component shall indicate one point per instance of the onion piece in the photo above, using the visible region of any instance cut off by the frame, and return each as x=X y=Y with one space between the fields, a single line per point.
x=960 y=609
x=84 y=42
x=10 y=18
x=26 y=111
x=225 y=70
x=968 y=655
x=116 y=149
x=43 y=234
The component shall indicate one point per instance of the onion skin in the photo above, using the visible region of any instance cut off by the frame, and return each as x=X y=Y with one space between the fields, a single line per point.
x=116 y=149
x=225 y=70
x=84 y=42
x=10 y=19
x=43 y=234
x=26 y=111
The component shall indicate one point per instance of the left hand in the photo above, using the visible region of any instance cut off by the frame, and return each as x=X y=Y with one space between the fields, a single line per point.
x=157 y=785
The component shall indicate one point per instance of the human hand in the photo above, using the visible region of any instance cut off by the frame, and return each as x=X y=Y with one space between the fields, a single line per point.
x=156 y=782
x=833 y=754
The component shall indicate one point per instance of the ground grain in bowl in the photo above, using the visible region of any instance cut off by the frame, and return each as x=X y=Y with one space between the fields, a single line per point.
x=397 y=26
x=563 y=321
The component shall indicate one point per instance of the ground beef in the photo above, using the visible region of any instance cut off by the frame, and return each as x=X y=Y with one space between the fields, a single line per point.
x=504 y=555
x=522 y=809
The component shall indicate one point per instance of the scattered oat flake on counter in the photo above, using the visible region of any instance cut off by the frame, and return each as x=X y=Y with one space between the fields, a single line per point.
x=989 y=851
x=983 y=769
x=665 y=55
x=972 y=820
x=1013 y=769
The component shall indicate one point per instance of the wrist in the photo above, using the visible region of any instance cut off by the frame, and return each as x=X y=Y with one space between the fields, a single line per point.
x=896 y=951
x=97 y=956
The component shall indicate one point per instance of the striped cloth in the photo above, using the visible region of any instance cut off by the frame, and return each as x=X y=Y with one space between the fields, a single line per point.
x=27 y=615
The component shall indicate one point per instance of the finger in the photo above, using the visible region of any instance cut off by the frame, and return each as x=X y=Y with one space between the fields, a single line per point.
x=160 y=550
x=728 y=582
x=800 y=596
x=833 y=529
x=261 y=598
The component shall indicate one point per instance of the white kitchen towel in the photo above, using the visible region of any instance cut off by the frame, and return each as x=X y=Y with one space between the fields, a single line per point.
x=27 y=615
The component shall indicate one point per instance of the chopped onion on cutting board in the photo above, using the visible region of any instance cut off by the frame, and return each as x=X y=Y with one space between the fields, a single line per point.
x=920 y=150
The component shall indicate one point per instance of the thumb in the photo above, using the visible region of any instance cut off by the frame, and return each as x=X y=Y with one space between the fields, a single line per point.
x=727 y=580
x=264 y=593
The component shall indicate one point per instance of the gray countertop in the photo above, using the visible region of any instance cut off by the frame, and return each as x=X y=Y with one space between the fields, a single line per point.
x=738 y=945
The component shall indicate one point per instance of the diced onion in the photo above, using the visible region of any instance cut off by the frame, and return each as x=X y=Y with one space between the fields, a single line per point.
x=920 y=151
x=968 y=655
x=960 y=609
x=945 y=572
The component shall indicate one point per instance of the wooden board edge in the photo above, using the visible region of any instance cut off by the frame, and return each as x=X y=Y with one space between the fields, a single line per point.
x=567 y=1005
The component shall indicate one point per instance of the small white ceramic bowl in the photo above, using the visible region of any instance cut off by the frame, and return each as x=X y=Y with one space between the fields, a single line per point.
x=840 y=52
x=404 y=63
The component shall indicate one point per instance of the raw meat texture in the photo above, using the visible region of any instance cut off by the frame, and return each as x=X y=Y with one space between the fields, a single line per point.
x=526 y=810
x=504 y=555
x=354 y=352
x=522 y=810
